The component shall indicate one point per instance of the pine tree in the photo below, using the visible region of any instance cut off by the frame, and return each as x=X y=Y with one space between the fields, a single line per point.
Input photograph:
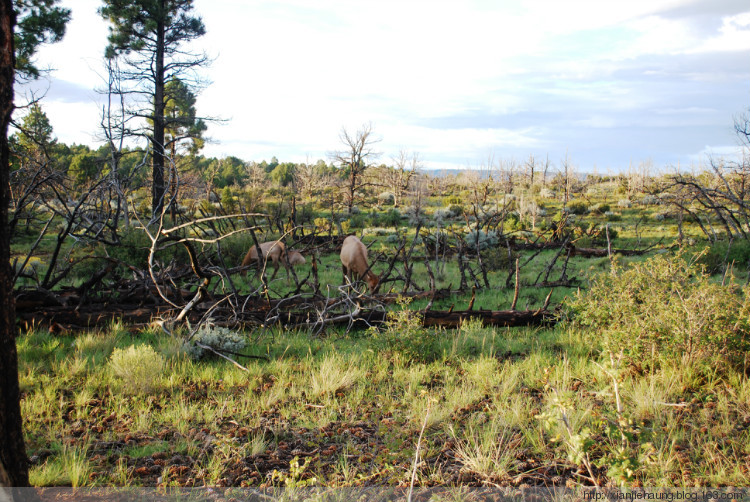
x=39 y=21
x=149 y=34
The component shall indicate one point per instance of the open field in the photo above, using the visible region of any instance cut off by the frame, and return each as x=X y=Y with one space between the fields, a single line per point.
x=571 y=404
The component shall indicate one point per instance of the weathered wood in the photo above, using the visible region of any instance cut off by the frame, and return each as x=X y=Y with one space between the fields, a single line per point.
x=502 y=318
x=64 y=319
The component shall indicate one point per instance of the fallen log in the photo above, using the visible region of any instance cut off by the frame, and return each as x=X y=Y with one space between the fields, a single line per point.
x=601 y=252
x=430 y=318
x=65 y=319
x=500 y=318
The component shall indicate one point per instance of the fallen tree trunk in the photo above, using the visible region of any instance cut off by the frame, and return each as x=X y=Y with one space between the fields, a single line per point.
x=601 y=252
x=501 y=318
x=65 y=319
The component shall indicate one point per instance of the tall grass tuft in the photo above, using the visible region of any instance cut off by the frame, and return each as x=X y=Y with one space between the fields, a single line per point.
x=488 y=450
x=334 y=374
x=139 y=368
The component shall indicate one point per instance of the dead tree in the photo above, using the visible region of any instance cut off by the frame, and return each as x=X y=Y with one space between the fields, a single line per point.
x=354 y=160
x=399 y=178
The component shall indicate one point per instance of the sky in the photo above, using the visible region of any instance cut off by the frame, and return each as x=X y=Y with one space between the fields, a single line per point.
x=462 y=83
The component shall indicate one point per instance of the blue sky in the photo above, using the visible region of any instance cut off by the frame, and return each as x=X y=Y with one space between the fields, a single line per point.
x=459 y=82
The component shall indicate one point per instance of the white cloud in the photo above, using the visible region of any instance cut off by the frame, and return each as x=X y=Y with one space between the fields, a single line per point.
x=734 y=35
x=533 y=75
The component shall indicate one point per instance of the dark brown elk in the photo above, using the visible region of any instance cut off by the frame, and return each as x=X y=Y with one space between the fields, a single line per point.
x=273 y=251
x=354 y=262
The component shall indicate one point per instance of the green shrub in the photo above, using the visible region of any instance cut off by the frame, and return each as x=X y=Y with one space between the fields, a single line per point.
x=456 y=210
x=227 y=200
x=665 y=306
x=234 y=248
x=402 y=332
x=305 y=213
x=600 y=208
x=722 y=253
x=496 y=258
x=391 y=218
x=577 y=207
x=137 y=367
x=612 y=216
x=133 y=249
x=357 y=220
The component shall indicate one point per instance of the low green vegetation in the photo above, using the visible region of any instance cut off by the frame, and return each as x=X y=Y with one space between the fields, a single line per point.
x=641 y=381
x=646 y=385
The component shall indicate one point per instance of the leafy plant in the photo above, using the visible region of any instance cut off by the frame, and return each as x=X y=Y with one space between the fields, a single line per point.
x=722 y=253
x=577 y=207
x=402 y=332
x=295 y=478
x=668 y=306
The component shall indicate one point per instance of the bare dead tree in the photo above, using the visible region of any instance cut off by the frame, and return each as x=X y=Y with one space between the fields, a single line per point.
x=721 y=193
x=567 y=173
x=354 y=160
x=398 y=179
x=545 y=170
x=531 y=169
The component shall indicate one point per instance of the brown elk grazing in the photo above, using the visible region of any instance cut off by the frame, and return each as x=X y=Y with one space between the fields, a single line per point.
x=354 y=262
x=275 y=251
x=295 y=257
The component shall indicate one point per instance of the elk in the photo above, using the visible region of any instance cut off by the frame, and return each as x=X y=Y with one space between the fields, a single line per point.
x=354 y=262
x=271 y=250
x=295 y=257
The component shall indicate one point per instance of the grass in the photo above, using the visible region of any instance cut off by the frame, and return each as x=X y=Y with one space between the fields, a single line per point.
x=355 y=409
x=349 y=406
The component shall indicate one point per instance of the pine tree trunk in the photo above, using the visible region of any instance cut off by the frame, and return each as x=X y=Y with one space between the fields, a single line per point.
x=158 y=190
x=13 y=463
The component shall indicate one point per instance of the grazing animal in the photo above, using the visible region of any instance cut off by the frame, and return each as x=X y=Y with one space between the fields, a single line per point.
x=295 y=257
x=354 y=262
x=275 y=251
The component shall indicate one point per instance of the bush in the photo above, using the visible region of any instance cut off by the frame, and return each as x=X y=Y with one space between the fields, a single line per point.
x=386 y=198
x=233 y=248
x=133 y=249
x=323 y=225
x=665 y=306
x=577 y=207
x=357 y=220
x=391 y=218
x=612 y=216
x=546 y=193
x=440 y=215
x=456 y=210
x=402 y=332
x=138 y=368
x=624 y=203
x=218 y=338
x=485 y=240
x=599 y=208
x=415 y=215
x=722 y=253
x=496 y=258
x=305 y=213
x=649 y=200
